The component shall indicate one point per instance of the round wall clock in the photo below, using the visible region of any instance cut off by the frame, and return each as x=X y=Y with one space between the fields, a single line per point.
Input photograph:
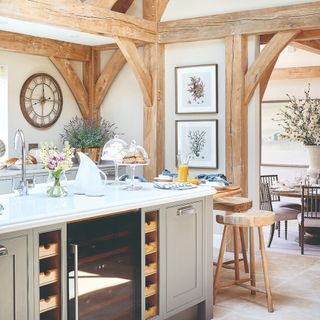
x=41 y=100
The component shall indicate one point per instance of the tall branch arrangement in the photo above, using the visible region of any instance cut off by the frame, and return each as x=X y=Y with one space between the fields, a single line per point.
x=300 y=120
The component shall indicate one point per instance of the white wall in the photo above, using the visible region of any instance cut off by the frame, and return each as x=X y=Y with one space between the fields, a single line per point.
x=205 y=52
x=20 y=67
x=123 y=104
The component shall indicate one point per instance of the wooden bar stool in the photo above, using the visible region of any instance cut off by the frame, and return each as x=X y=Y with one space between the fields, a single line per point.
x=230 y=205
x=251 y=218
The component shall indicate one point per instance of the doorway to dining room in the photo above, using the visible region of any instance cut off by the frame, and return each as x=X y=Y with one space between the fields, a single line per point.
x=295 y=72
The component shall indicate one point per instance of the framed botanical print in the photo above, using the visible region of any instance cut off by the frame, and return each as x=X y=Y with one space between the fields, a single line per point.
x=199 y=140
x=197 y=89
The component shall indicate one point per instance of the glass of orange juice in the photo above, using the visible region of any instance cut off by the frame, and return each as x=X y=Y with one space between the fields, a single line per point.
x=183 y=169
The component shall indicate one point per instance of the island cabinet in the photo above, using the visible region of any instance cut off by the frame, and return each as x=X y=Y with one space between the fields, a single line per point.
x=178 y=265
x=164 y=273
x=184 y=254
x=16 y=277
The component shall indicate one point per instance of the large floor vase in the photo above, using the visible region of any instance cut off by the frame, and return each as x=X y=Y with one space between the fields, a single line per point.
x=314 y=160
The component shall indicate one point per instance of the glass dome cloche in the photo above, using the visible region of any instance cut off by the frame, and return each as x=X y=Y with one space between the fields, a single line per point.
x=135 y=155
x=113 y=150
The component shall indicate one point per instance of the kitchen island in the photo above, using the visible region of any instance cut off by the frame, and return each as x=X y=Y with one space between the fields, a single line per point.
x=165 y=235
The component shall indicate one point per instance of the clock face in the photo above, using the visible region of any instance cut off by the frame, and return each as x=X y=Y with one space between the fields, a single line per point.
x=41 y=100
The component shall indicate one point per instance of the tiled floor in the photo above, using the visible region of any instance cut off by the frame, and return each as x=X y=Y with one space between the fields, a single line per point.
x=295 y=283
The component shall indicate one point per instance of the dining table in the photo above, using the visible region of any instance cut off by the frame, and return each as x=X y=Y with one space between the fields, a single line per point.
x=312 y=235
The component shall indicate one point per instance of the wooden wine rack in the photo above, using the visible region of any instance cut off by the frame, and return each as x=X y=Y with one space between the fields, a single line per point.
x=151 y=267
x=50 y=275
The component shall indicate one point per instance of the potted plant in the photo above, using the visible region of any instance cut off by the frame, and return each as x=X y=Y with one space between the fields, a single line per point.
x=300 y=120
x=88 y=136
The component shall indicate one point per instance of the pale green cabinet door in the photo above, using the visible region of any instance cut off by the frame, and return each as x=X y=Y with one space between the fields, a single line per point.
x=14 y=279
x=184 y=254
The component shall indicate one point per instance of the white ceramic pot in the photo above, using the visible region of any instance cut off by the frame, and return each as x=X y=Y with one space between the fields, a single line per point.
x=314 y=160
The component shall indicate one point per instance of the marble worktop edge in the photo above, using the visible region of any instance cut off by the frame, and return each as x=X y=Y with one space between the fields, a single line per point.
x=79 y=207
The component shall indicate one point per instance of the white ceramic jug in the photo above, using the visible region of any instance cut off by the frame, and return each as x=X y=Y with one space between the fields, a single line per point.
x=88 y=180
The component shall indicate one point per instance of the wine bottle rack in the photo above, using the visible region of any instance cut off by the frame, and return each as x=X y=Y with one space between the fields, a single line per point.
x=50 y=275
x=151 y=270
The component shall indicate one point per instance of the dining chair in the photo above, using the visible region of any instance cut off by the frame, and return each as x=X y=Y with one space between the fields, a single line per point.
x=283 y=208
x=281 y=213
x=310 y=213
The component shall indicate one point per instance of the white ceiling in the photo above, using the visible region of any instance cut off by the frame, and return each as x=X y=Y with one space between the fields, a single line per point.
x=50 y=32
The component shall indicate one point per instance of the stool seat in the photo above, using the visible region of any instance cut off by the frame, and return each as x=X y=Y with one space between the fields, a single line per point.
x=250 y=218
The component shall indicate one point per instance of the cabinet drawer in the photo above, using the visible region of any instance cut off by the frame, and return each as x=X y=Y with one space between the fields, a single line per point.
x=48 y=250
x=49 y=303
x=49 y=276
x=184 y=254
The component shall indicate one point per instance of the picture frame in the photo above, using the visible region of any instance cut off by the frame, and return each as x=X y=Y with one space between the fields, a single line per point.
x=275 y=151
x=196 y=89
x=199 y=139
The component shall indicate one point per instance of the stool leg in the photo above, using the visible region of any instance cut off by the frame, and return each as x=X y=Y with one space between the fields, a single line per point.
x=236 y=253
x=244 y=250
x=265 y=270
x=219 y=263
x=252 y=260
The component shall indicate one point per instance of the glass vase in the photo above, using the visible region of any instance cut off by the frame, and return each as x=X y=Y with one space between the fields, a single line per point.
x=57 y=184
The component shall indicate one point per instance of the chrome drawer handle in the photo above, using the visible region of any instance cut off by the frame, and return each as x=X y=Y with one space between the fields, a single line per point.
x=190 y=210
x=74 y=248
x=3 y=251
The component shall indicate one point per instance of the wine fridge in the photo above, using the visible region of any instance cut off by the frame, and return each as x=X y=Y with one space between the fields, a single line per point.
x=104 y=268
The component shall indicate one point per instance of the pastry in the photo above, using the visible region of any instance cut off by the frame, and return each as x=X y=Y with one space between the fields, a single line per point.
x=11 y=161
x=134 y=158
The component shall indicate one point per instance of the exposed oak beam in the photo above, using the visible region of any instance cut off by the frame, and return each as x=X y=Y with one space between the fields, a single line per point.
x=80 y=17
x=154 y=115
x=295 y=73
x=130 y=51
x=302 y=36
x=21 y=43
x=266 y=77
x=236 y=115
x=252 y=22
x=310 y=45
x=162 y=5
x=74 y=83
x=122 y=5
x=107 y=76
x=264 y=60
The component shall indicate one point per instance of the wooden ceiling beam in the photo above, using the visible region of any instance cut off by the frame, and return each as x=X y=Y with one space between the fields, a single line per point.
x=130 y=51
x=162 y=5
x=264 y=60
x=303 y=36
x=122 y=5
x=76 y=86
x=252 y=22
x=21 y=43
x=310 y=45
x=107 y=76
x=295 y=73
x=80 y=17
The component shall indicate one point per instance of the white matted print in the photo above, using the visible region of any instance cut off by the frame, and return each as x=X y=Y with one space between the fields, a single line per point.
x=199 y=140
x=196 y=89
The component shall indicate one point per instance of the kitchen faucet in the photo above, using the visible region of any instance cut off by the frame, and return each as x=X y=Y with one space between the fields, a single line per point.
x=23 y=186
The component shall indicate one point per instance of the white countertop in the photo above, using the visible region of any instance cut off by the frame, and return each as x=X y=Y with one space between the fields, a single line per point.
x=38 y=209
